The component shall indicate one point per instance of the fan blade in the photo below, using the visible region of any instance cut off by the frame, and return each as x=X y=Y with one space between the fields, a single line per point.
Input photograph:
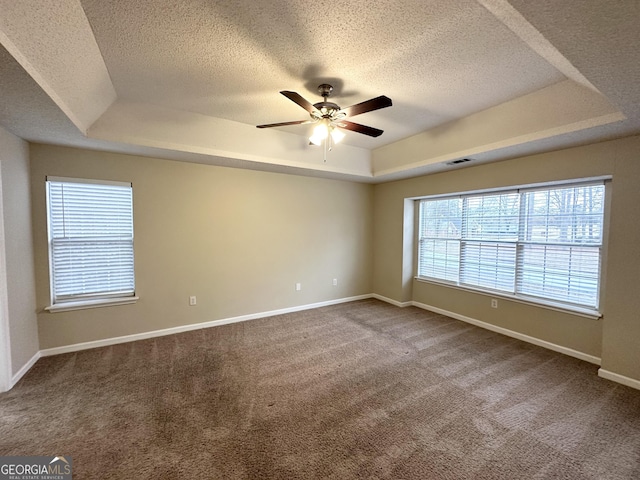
x=356 y=127
x=297 y=98
x=297 y=122
x=367 y=106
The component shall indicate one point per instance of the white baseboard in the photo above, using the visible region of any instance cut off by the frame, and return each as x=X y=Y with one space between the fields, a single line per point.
x=513 y=334
x=25 y=368
x=195 y=326
x=391 y=301
x=630 y=382
x=615 y=377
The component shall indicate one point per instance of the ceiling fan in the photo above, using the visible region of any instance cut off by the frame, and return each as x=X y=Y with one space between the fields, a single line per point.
x=330 y=115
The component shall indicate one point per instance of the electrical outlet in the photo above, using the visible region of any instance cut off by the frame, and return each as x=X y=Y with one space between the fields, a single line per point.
x=298 y=287
x=335 y=282
x=192 y=300
x=494 y=303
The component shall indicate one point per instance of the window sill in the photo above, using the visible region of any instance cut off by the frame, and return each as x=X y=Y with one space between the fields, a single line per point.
x=85 y=304
x=550 y=305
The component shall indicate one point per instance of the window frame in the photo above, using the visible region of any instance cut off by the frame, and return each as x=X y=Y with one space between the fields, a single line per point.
x=83 y=301
x=567 y=307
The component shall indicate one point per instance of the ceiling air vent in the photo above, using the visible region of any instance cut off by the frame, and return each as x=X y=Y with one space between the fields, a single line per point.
x=460 y=160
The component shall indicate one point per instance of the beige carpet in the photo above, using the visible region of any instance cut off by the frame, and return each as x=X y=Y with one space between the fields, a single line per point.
x=359 y=390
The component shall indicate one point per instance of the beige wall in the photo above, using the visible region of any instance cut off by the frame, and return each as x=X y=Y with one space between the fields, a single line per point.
x=199 y=231
x=614 y=338
x=621 y=333
x=18 y=245
x=237 y=239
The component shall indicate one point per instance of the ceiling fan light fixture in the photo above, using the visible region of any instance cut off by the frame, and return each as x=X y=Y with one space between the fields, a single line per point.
x=320 y=133
x=336 y=135
x=329 y=116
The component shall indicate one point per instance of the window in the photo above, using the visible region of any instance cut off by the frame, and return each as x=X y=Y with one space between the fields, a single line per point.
x=90 y=242
x=540 y=244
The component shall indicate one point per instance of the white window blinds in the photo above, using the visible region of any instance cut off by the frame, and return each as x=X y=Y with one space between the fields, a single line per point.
x=440 y=233
x=537 y=243
x=561 y=244
x=90 y=239
x=489 y=236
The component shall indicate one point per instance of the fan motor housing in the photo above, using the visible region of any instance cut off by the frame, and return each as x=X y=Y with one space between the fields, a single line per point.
x=325 y=90
x=328 y=109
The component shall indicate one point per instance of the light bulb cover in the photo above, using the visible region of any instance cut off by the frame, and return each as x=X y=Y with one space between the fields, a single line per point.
x=337 y=135
x=321 y=131
x=315 y=140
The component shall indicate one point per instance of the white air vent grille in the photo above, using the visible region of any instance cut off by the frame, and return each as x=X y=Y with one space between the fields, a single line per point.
x=460 y=160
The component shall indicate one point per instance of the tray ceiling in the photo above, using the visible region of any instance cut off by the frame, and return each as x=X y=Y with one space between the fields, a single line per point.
x=190 y=80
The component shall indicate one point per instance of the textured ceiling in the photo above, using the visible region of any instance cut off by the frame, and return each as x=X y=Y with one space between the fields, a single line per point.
x=229 y=59
x=189 y=80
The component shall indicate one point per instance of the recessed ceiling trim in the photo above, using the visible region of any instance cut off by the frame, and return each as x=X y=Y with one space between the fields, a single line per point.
x=159 y=127
x=509 y=16
x=523 y=140
x=555 y=110
x=54 y=43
